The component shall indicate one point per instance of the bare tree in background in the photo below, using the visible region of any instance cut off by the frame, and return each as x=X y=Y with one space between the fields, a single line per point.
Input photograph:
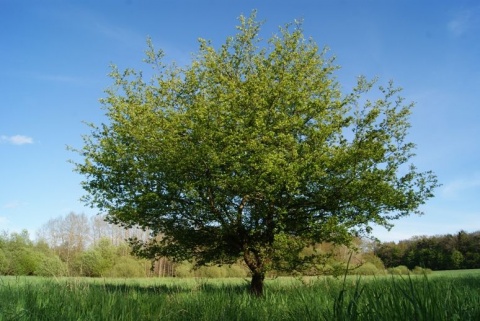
x=67 y=236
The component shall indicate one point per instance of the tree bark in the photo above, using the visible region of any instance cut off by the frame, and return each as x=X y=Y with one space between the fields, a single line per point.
x=255 y=263
x=256 y=286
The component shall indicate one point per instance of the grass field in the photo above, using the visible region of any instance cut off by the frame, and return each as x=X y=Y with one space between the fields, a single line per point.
x=449 y=295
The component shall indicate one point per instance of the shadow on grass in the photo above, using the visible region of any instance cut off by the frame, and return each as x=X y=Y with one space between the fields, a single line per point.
x=164 y=289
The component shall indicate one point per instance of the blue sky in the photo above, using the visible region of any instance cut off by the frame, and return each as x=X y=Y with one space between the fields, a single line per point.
x=55 y=57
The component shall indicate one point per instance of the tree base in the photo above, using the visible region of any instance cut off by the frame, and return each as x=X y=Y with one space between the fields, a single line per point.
x=256 y=286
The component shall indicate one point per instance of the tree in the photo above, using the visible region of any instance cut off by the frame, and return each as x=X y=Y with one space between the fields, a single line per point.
x=392 y=254
x=249 y=145
x=456 y=259
x=19 y=255
x=68 y=235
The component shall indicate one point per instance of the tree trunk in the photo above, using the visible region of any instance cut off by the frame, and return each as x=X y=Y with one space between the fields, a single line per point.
x=255 y=263
x=256 y=286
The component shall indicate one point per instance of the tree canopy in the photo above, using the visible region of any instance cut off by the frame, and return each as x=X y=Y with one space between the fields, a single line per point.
x=251 y=151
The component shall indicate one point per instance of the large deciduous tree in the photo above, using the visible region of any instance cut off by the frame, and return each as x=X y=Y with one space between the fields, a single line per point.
x=251 y=150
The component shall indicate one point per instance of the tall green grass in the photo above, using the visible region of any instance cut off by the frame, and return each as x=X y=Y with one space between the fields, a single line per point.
x=325 y=298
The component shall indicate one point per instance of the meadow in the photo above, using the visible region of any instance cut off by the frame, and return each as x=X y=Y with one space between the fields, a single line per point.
x=449 y=295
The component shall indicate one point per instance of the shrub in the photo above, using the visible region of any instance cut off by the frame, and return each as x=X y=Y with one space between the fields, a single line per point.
x=399 y=270
x=24 y=261
x=420 y=270
x=51 y=266
x=236 y=271
x=375 y=260
x=91 y=264
x=3 y=263
x=367 y=269
x=338 y=269
x=127 y=268
x=211 y=271
x=184 y=269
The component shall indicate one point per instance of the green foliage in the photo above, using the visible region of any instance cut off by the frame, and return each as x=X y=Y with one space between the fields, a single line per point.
x=24 y=261
x=107 y=251
x=90 y=263
x=236 y=271
x=20 y=256
x=399 y=270
x=338 y=269
x=4 y=262
x=213 y=271
x=186 y=269
x=367 y=269
x=51 y=266
x=374 y=260
x=421 y=271
x=441 y=252
x=456 y=259
x=98 y=260
x=250 y=143
x=128 y=267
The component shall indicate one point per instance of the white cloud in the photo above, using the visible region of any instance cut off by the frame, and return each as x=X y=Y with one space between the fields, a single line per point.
x=16 y=139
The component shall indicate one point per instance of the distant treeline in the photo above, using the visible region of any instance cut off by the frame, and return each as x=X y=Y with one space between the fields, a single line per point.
x=444 y=252
x=75 y=245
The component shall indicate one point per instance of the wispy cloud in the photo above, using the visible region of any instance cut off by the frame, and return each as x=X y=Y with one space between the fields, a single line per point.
x=94 y=22
x=456 y=187
x=11 y=205
x=463 y=21
x=99 y=24
x=16 y=139
x=57 y=78
x=3 y=223
x=116 y=33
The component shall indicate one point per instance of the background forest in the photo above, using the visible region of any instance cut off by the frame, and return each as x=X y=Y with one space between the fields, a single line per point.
x=75 y=245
